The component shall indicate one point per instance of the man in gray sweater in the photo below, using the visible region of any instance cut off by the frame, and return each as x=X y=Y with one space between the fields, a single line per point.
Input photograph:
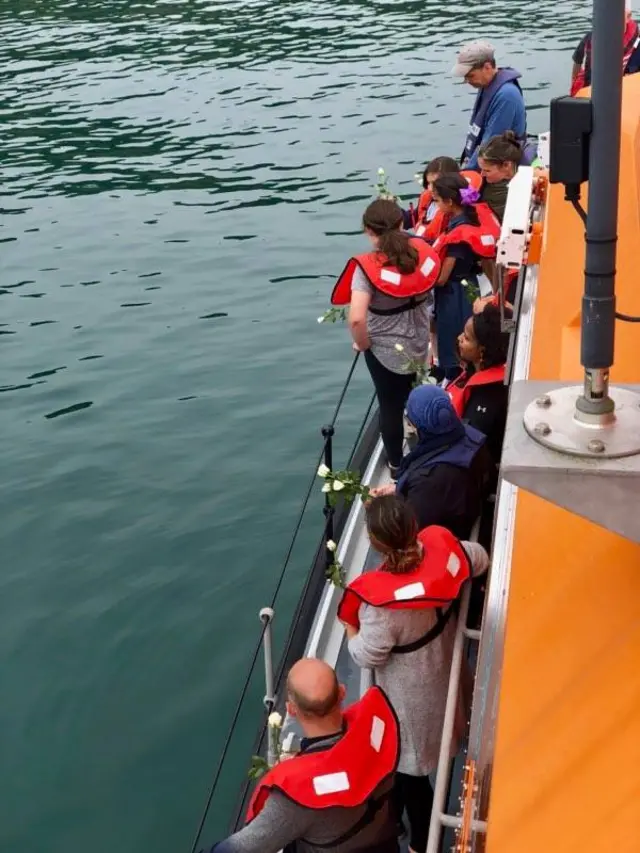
x=335 y=795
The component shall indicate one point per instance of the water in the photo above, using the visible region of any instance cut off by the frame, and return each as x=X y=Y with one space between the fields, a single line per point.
x=181 y=180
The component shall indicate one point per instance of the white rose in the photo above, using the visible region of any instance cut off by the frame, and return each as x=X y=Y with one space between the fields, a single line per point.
x=320 y=319
x=275 y=720
x=338 y=485
x=399 y=348
x=331 y=545
x=323 y=470
x=326 y=487
x=381 y=171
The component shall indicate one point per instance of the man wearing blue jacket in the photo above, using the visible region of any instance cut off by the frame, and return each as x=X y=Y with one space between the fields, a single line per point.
x=499 y=104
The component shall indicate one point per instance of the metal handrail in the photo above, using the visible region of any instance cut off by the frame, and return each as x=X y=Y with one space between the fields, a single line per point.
x=266 y=614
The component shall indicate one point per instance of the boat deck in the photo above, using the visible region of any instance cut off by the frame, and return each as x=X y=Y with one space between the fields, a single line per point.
x=567 y=750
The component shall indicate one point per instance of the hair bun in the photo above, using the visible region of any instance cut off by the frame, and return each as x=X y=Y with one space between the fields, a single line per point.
x=510 y=137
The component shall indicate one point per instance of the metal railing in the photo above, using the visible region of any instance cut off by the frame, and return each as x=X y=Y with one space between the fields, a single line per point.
x=315 y=582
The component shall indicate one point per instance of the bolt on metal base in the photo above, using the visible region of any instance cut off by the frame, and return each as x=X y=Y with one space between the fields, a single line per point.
x=554 y=421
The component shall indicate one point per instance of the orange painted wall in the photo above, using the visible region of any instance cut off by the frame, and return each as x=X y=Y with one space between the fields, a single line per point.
x=567 y=762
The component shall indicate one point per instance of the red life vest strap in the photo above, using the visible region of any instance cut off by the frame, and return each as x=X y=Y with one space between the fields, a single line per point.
x=482 y=238
x=431 y=230
x=347 y=774
x=435 y=583
x=388 y=279
x=459 y=391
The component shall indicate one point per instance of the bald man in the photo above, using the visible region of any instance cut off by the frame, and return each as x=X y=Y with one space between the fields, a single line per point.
x=335 y=794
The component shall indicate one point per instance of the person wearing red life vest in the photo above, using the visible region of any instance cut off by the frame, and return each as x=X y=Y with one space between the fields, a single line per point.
x=336 y=793
x=427 y=219
x=479 y=395
x=470 y=237
x=581 y=71
x=400 y=621
x=388 y=293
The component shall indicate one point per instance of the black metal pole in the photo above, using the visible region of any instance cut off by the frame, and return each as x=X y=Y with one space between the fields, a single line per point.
x=328 y=433
x=599 y=302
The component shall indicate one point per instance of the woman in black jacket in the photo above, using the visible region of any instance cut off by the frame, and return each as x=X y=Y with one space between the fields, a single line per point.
x=444 y=477
x=479 y=395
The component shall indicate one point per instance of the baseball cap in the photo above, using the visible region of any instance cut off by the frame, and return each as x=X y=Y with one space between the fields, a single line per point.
x=471 y=56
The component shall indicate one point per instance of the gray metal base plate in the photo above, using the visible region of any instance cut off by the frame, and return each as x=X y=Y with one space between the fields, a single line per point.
x=550 y=420
x=595 y=485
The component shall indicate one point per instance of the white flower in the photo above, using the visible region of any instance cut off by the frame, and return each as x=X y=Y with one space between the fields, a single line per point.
x=326 y=487
x=338 y=485
x=275 y=720
x=321 y=319
x=381 y=171
x=399 y=348
x=331 y=545
x=323 y=471
x=418 y=178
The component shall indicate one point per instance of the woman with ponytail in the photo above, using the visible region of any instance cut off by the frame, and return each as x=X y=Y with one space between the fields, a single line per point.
x=400 y=621
x=388 y=292
x=468 y=238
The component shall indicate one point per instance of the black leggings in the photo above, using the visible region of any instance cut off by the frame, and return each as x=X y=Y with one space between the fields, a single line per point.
x=392 y=390
x=415 y=795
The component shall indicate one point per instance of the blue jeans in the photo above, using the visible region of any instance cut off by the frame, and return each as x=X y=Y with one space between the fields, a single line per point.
x=453 y=309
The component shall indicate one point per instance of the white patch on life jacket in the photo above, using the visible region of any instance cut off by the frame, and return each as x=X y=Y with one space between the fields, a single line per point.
x=487 y=240
x=420 y=230
x=427 y=266
x=377 y=733
x=390 y=276
x=474 y=129
x=331 y=783
x=411 y=590
x=453 y=564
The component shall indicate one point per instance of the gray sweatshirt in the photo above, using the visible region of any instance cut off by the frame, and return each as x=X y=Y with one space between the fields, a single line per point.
x=415 y=683
x=283 y=822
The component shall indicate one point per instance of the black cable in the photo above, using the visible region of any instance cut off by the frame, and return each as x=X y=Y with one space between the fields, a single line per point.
x=361 y=430
x=258 y=647
x=627 y=318
x=582 y=213
x=344 y=388
x=575 y=201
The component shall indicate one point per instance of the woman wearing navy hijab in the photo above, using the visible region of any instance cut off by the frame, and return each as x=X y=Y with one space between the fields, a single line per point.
x=443 y=478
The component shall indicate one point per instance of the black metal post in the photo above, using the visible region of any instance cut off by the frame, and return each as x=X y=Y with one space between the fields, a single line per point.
x=327 y=433
x=599 y=302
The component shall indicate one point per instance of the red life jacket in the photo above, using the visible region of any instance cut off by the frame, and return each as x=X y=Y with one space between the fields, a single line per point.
x=389 y=279
x=431 y=230
x=435 y=583
x=481 y=238
x=346 y=774
x=631 y=42
x=459 y=391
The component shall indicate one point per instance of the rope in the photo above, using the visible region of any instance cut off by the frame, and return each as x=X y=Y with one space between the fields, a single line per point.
x=278 y=586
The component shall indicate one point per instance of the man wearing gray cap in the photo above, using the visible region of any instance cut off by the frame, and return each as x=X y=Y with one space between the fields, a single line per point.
x=499 y=105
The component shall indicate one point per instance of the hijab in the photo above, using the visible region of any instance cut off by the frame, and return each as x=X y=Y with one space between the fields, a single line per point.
x=442 y=437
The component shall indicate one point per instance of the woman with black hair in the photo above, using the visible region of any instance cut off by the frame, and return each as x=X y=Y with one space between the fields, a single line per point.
x=469 y=237
x=479 y=395
x=426 y=219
